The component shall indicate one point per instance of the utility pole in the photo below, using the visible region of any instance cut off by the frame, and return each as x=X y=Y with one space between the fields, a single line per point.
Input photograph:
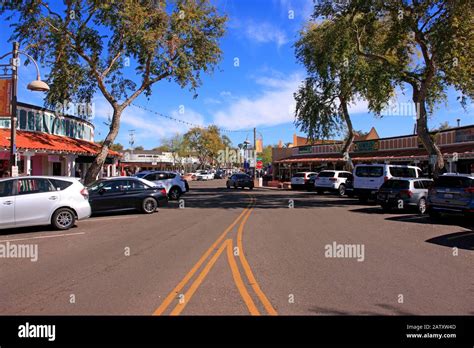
x=15 y=64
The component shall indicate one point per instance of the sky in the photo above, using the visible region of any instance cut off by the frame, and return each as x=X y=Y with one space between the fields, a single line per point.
x=256 y=92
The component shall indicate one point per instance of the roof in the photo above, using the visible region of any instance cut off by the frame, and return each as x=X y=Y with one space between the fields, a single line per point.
x=419 y=153
x=47 y=142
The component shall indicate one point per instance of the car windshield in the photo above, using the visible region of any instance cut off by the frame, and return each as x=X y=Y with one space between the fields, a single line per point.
x=327 y=174
x=96 y=185
x=299 y=175
x=403 y=172
x=454 y=182
x=141 y=175
x=369 y=171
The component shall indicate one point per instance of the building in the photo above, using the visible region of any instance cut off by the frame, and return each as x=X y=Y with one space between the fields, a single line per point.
x=139 y=160
x=456 y=144
x=51 y=145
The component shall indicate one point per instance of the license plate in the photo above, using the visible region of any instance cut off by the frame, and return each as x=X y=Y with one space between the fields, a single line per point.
x=448 y=195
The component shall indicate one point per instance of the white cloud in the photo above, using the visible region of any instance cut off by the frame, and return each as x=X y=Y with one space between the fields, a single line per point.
x=265 y=32
x=148 y=125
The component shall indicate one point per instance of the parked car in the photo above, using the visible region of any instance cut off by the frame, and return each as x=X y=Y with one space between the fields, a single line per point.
x=368 y=178
x=220 y=174
x=204 y=175
x=42 y=200
x=452 y=193
x=121 y=193
x=240 y=180
x=350 y=186
x=299 y=180
x=173 y=183
x=189 y=176
x=332 y=180
x=404 y=193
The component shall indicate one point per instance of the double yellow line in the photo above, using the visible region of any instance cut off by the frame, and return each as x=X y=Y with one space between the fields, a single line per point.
x=221 y=246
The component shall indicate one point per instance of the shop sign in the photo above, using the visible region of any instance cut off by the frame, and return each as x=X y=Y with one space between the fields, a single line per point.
x=365 y=146
x=5 y=97
x=463 y=135
x=305 y=149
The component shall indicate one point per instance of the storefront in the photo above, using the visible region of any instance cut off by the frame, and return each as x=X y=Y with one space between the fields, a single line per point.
x=456 y=145
x=50 y=145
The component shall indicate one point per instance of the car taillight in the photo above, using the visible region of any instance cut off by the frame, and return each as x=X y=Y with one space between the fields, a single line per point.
x=85 y=193
x=163 y=192
x=385 y=178
x=407 y=193
x=469 y=190
x=332 y=179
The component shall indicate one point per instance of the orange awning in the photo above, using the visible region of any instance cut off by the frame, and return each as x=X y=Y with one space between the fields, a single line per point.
x=46 y=142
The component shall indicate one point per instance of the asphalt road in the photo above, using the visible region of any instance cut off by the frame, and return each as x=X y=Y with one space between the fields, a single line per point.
x=241 y=252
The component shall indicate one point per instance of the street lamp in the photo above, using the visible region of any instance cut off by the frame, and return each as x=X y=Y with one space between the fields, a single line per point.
x=36 y=85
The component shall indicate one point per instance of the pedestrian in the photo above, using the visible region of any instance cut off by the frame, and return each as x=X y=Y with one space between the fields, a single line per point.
x=6 y=174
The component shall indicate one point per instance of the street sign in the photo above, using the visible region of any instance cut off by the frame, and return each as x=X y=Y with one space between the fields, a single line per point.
x=14 y=171
x=259 y=164
x=5 y=97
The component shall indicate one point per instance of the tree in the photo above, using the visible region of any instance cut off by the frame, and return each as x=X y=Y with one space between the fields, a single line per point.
x=205 y=143
x=176 y=146
x=162 y=148
x=138 y=148
x=425 y=44
x=267 y=154
x=442 y=126
x=91 y=44
x=336 y=78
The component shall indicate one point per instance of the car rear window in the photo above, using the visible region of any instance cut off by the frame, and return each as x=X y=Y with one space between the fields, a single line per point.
x=327 y=174
x=403 y=172
x=453 y=182
x=60 y=184
x=396 y=184
x=299 y=175
x=369 y=172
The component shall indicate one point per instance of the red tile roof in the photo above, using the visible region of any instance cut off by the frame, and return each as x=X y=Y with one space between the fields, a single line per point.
x=47 y=142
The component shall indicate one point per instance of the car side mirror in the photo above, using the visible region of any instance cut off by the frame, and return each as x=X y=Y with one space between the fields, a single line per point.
x=101 y=191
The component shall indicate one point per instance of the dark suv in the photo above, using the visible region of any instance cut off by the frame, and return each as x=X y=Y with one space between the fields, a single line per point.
x=452 y=193
x=240 y=180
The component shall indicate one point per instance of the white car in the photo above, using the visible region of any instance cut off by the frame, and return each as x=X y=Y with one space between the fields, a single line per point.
x=300 y=179
x=332 y=180
x=42 y=200
x=368 y=178
x=172 y=182
x=204 y=175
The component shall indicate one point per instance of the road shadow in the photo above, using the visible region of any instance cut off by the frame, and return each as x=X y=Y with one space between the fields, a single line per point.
x=444 y=221
x=33 y=229
x=460 y=240
x=330 y=311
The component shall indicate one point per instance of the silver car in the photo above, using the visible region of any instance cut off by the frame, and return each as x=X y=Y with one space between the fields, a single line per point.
x=173 y=182
x=402 y=193
x=42 y=200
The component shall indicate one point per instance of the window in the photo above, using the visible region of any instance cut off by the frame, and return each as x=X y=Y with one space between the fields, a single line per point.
x=400 y=184
x=403 y=172
x=22 y=119
x=60 y=184
x=6 y=188
x=427 y=184
x=418 y=185
x=137 y=185
x=299 y=175
x=31 y=186
x=327 y=174
x=31 y=121
x=453 y=182
x=369 y=171
x=115 y=186
x=38 y=123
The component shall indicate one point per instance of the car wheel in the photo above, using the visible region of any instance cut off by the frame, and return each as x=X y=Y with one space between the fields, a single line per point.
x=228 y=186
x=149 y=205
x=422 y=206
x=250 y=187
x=342 y=190
x=63 y=219
x=174 y=193
x=235 y=186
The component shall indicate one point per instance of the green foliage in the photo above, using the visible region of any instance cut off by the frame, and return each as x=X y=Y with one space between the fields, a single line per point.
x=205 y=143
x=267 y=154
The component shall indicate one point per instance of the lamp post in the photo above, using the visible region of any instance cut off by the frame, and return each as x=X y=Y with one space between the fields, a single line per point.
x=36 y=85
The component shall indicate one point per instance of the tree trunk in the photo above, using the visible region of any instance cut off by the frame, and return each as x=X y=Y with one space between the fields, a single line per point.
x=99 y=160
x=424 y=134
x=350 y=135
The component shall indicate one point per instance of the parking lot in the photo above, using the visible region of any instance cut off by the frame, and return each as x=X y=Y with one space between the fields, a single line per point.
x=239 y=252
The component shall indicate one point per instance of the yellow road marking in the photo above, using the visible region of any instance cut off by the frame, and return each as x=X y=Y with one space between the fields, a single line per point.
x=238 y=281
x=194 y=286
x=172 y=295
x=253 y=282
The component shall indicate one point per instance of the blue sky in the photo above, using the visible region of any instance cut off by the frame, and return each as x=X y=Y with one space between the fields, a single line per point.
x=257 y=93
